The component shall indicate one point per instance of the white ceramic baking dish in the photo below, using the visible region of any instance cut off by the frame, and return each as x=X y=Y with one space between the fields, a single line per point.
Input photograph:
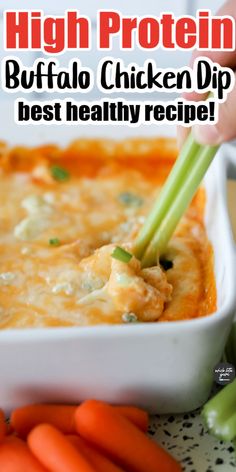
x=166 y=367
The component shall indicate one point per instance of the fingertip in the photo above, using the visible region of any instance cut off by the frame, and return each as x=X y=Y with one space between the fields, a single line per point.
x=194 y=96
x=182 y=134
x=207 y=135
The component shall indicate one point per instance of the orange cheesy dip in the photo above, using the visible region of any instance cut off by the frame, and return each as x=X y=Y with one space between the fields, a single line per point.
x=62 y=213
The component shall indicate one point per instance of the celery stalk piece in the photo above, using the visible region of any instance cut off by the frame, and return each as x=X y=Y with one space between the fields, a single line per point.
x=164 y=201
x=182 y=198
x=219 y=413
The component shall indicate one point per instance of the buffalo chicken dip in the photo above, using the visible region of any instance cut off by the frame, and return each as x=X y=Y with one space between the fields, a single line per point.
x=62 y=214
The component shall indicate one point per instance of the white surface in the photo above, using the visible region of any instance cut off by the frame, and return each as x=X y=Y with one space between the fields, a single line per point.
x=89 y=7
x=138 y=6
x=214 y=5
x=166 y=367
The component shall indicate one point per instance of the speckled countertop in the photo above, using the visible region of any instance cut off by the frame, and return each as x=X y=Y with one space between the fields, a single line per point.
x=187 y=439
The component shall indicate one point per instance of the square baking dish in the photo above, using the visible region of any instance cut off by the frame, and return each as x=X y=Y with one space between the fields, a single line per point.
x=166 y=367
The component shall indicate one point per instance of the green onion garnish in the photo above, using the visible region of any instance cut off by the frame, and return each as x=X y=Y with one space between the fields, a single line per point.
x=54 y=242
x=130 y=199
x=129 y=318
x=59 y=173
x=121 y=255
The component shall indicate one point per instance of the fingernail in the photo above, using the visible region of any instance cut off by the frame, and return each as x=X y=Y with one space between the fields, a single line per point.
x=207 y=134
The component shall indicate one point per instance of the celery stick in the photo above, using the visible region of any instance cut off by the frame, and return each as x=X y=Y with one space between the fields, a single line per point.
x=164 y=201
x=186 y=190
x=219 y=413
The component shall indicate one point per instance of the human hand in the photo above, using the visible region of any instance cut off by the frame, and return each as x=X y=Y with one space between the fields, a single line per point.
x=225 y=128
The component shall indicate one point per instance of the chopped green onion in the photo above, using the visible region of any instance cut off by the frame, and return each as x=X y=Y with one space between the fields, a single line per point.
x=121 y=255
x=130 y=199
x=129 y=318
x=59 y=173
x=54 y=242
x=219 y=413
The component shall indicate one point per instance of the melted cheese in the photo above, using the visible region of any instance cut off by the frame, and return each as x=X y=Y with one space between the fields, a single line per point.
x=56 y=238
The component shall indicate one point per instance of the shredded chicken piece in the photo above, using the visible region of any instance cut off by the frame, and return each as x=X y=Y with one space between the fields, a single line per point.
x=42 y=174
x=131 y=289
x=143 y=292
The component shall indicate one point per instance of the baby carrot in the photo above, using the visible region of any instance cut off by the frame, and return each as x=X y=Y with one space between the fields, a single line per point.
x=137 y=416
x=55 y=451
x=104 y=427
x=15 y=456
x=24 y=419
x=99 y=462
x=3 y=427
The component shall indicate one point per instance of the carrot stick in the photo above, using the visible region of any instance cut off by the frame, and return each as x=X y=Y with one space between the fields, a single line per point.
x=3 y=427
x=26 y=418
x=113 y=434
x=15 y=456
x=137 y=416
x=55 y=451
x=99 y=462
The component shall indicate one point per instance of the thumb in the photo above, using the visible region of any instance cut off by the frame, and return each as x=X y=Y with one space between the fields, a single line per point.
x=224 y=129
